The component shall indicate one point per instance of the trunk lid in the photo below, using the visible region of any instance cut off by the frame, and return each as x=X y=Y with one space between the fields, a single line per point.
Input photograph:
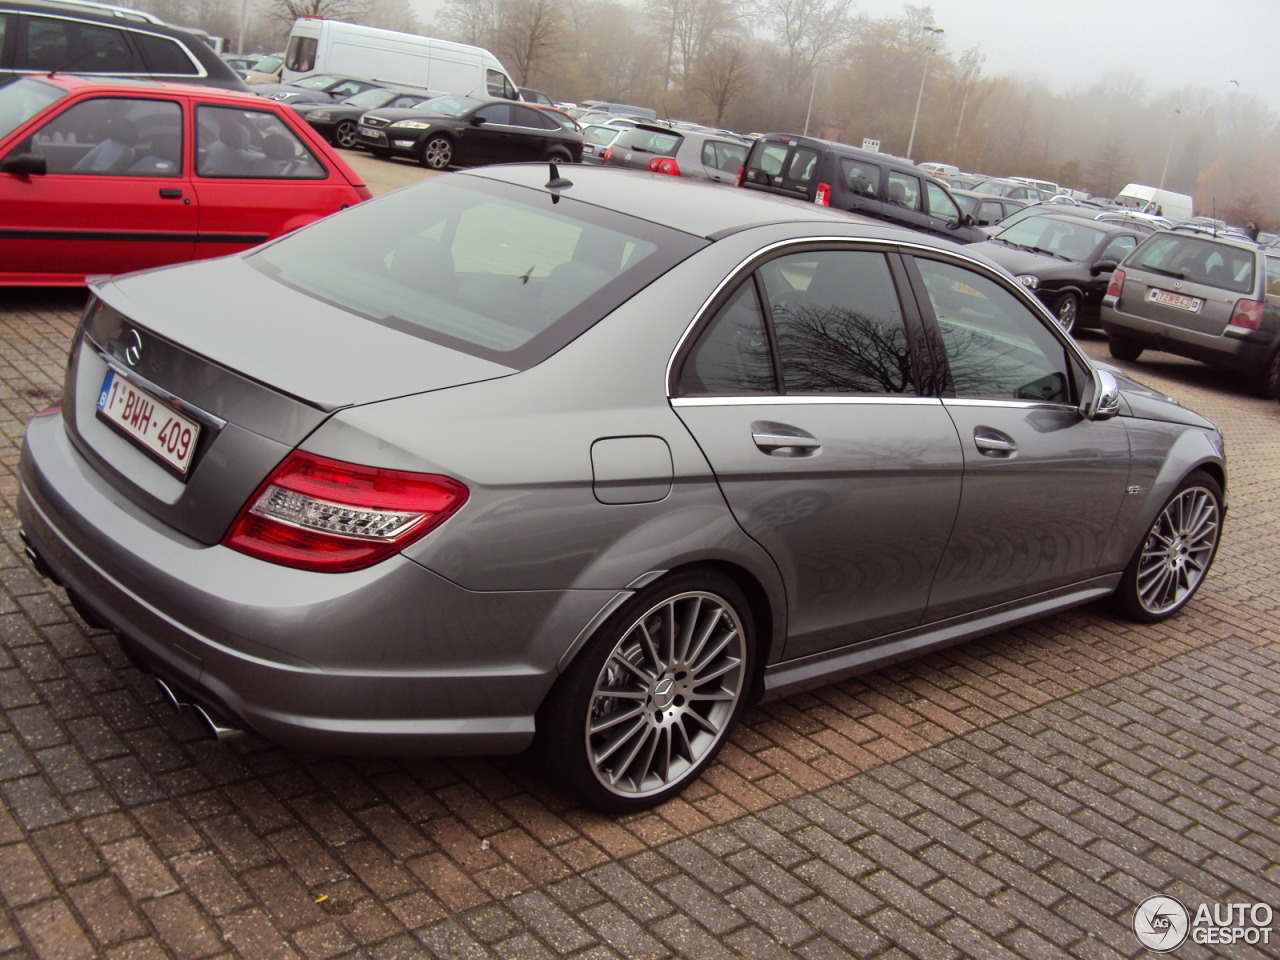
x=249 y=365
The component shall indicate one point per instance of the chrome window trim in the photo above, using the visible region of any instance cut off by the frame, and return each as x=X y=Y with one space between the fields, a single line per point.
x=126 y=28
x=791 y=399
x=1006 y=404
x=734 y=276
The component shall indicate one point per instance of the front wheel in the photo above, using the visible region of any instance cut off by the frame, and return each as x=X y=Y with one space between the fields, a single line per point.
x=345 y=135
x=436 y=153
x=1174 y=556
x=1067 y=311
x=646 y=706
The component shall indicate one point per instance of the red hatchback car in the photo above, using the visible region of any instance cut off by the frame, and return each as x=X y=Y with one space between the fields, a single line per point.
x=100 y=176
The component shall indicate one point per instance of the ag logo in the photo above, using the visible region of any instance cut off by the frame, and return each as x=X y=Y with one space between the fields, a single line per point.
x=1161 y=923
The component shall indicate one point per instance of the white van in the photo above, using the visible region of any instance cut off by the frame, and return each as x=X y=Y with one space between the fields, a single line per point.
x=1174 y=206
x=369 y=53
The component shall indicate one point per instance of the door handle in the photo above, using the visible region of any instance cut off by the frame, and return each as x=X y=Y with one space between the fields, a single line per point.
x=171 y=193
x=783 y=440
x=993 y=443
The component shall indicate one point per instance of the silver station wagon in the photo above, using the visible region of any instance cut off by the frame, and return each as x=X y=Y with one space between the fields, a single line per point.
x=587 y=460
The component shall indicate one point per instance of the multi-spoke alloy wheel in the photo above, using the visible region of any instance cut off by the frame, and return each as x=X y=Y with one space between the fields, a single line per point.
x=1175 y=555
x=652 y=702
x=436 y=153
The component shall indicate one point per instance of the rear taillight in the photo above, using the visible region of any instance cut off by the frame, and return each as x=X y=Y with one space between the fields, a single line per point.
x=326 y=515
x=1116 y=286
x=822 y=197
x=607 y=156
x=742 y=172
x=1247 y=314
x=665 y=165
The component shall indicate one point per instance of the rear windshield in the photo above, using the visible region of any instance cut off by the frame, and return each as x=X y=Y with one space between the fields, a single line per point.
x=663 y=143
x=1197 y=260
x=502 y=272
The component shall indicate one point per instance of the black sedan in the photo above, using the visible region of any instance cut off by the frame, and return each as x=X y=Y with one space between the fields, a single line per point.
x=338 y=122
x=449 y=131
x=1066 y=261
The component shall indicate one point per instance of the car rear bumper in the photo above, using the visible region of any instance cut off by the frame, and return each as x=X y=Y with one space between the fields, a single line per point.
x=389 y=660
x=1246 y=353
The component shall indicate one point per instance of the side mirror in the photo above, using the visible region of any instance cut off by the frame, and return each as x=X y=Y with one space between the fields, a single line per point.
x=1101 y=399
x=25 y=164
x=477 y=120
x=1103 y=266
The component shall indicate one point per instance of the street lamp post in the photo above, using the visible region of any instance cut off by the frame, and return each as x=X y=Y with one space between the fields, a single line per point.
x=936 y=31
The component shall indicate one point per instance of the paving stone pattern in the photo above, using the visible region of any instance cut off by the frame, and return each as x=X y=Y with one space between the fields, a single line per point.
x=1016 y=796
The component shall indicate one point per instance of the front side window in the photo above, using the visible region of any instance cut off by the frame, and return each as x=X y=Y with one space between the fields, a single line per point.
x=495 y=113
x=1118 y=248
x=301 y=54
x=499 y=86
x=251 y=144
x=903 y=190
x=941 y=204
x=116 y=136
x=996 y=347
x=22 y=100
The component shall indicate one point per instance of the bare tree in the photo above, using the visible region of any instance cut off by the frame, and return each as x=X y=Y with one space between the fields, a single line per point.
x=724 y=77
x=530 y=31
x=392 y=15
x=288 y=11
x=809 y=31
x=689 y=28
x=472 y=21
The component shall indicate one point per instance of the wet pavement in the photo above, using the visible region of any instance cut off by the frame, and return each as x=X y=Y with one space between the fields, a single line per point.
x=1016 y=796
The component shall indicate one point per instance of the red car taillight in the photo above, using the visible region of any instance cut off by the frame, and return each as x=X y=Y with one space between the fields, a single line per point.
x=665 y=165
x=822 y=196
x=318 y=514
x=742 y=172
x=607 y=156
x=1247 y=314
x=1116 y=286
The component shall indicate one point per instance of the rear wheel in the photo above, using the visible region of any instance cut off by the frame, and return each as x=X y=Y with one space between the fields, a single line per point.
x=1066 y=311
x=344 y=134
x=646 y=706
x=1174 y=555
x=436 y=153
x=1266 y=383
x=1122 y=348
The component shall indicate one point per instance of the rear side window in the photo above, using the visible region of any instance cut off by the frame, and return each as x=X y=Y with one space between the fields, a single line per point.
x=1273 y=276
x=166 y=56
x=903 y=190
x=723 y=156
x=860 y=177
x=1197 y=260
x=251 y=145
x=74 y=47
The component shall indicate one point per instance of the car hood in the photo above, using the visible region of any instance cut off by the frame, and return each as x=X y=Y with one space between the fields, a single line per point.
x=240 y=319
x=1144 y=403
x=1017 y=260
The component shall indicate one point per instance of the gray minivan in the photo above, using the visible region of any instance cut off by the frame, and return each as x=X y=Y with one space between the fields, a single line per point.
x=859 y=181
x=74 y=36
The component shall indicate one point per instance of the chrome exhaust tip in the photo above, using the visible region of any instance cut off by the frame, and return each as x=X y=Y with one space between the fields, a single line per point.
x=170 y=696
x=215 y=724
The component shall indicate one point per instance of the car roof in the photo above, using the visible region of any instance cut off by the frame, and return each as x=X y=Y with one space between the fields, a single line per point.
x=74 y=82
x=703 y=209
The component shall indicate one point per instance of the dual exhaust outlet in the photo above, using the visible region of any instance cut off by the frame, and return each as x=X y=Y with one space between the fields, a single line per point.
x=214 y=722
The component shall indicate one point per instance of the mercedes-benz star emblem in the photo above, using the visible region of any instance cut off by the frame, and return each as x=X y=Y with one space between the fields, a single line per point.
x=133 y=348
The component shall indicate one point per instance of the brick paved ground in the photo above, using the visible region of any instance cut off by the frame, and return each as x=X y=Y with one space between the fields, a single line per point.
x=1015 y=796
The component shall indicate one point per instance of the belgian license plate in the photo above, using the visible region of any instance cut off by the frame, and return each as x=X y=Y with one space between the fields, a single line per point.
x=1181 y=301
x=149 y=422
x=372 y=134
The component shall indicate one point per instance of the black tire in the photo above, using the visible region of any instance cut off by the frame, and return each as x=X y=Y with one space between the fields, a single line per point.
x=345 y=134
x=1122 y=348
x=1266 y=383
x=629 y=724
x=558 y=155
x=1066 y=310
x=1175 y=553
x=436 y=152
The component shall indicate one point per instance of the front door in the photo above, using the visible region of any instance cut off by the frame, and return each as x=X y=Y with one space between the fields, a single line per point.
x=116 y=196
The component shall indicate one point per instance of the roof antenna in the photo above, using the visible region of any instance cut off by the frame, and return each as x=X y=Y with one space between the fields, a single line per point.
x=557 y=182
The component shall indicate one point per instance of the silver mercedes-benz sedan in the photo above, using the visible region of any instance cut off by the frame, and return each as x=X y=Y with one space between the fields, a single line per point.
x=587 y=460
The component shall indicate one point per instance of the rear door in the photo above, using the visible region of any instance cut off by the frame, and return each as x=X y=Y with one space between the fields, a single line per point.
x=804 y=393
x=117 y=195
x=781 y=166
